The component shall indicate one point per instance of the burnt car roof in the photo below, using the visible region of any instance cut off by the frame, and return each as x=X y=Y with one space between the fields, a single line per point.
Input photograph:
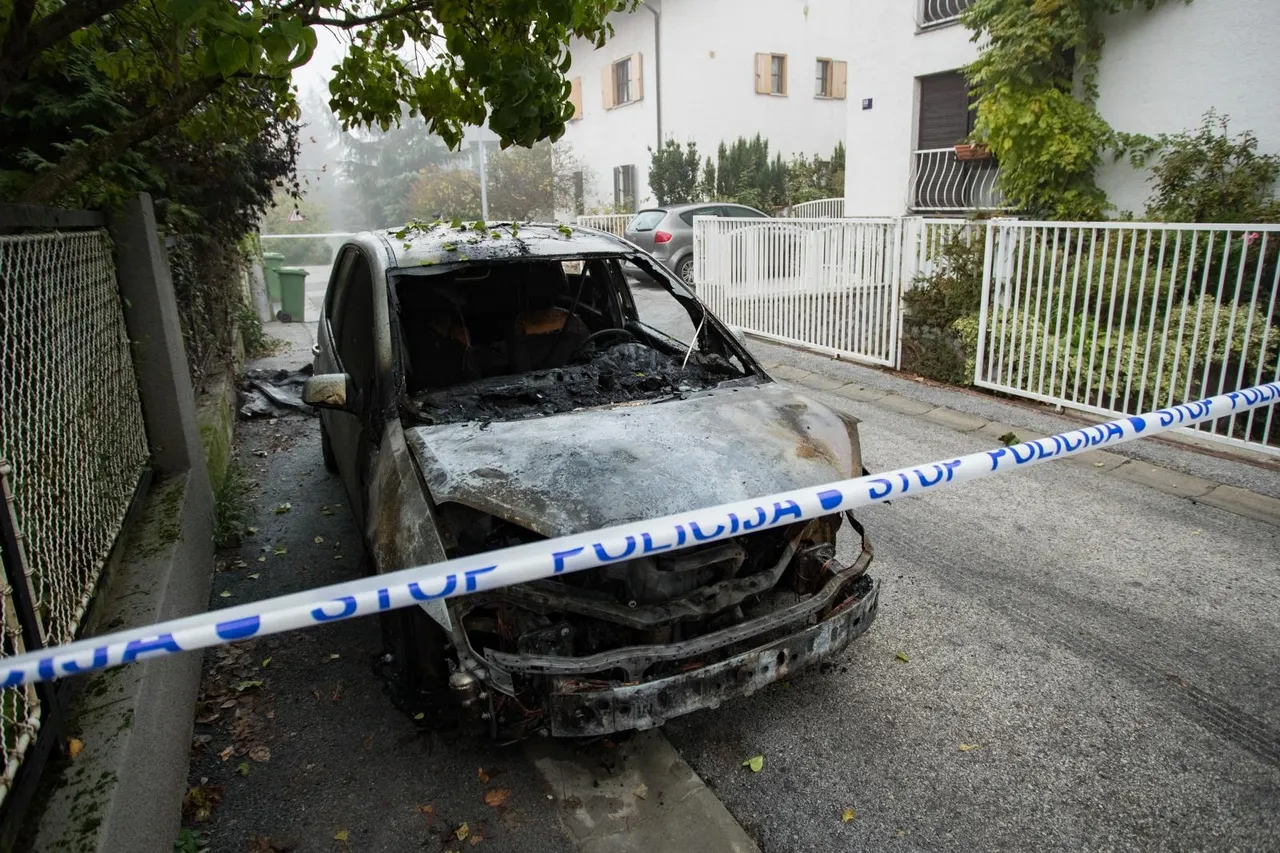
x=427 y=243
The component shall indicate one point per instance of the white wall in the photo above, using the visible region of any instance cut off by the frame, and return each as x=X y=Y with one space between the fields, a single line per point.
x=708 y=74
x=1161 y=70
x=887 y=55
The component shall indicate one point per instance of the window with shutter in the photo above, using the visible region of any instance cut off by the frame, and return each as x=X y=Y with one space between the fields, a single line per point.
x=778 y=74
x=945 y=117
x=839 y=80
x=762 y=73
x=575 y=98
x=637 y=77
x=606 y=87
x=822 y=79
x=624 y=188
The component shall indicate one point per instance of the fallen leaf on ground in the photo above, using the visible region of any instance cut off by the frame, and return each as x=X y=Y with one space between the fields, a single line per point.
x=251 y=530
x=1009 y=438
x=848 y=815
x=462 y=832
x=266 y=662
x=496 y=797
x=230 y=703
x=226 y=593
x=419 y=715
x=228 y=752
x=965 y=747
x=242 y=686
x=334 y=656
x=641 y=791
x=1099 y=465
x=476 y=838
x=262 y=559
x=199 y=802
x=260 y=753
x=255 y=576
x=319 y=540
x=283 y=508
x=210 y=717
x=243 y=768
x=481 y=775
x=902 y=657
x=427 y=809
x=74 y=747
x=280 y=551
x=755 y=762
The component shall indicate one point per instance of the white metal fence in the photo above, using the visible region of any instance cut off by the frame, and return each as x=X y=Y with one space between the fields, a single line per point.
x=614 y=223
x=831 y=284
x=1125 y=317
x=1107 y=317
x=823 y=208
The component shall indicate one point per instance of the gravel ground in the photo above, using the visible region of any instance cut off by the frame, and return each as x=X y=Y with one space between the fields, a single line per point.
x=1090 y=665
x=341 y=756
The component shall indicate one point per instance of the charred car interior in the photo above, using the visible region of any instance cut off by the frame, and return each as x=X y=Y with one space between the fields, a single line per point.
x=537 y=400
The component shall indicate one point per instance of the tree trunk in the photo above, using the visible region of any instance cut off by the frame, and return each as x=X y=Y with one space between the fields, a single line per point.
x=51 y=185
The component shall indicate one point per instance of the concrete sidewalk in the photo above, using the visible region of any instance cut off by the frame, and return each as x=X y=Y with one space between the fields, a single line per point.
x=1235 y=480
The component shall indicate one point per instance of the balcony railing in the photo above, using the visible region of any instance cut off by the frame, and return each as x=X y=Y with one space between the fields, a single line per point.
x=936 y=12
x=940 y=182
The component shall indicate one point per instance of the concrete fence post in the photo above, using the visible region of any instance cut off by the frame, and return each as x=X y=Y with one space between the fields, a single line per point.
x=159 y=353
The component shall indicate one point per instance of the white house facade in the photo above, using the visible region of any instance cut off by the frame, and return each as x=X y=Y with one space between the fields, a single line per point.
x=706 y=71
x=1160 y=71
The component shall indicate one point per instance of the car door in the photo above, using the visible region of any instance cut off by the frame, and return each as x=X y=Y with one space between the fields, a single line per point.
x=350 y=326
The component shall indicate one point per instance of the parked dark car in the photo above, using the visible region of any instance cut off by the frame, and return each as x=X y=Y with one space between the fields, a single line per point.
x=667 y=232
x=481 y=391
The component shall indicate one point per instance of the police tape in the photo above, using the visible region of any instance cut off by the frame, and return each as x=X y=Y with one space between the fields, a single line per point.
x=578 y=552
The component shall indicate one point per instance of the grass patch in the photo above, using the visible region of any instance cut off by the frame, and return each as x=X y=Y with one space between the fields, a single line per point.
x=230 y=507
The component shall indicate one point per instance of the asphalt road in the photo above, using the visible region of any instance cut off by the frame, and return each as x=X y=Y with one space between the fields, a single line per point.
x=1089 y=664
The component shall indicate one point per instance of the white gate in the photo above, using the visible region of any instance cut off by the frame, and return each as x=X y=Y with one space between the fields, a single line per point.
x=1120 y=318
x=828 y=284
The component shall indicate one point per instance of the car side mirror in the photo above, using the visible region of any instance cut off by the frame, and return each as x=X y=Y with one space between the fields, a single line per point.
x=331 y=391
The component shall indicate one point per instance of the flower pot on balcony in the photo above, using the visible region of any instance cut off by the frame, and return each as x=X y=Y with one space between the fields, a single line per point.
x=972 y=151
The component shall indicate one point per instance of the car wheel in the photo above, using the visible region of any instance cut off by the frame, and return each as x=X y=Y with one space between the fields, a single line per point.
x=418 y=644
x=326 y=450
x=685 y=270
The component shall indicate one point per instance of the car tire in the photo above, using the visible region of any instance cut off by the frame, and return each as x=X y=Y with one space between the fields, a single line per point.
x=685 y=270
x=326 y=450
x=418 y=644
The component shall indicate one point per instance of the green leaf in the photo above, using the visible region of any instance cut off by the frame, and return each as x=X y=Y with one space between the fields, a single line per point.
x=188 y=11
x=232 y=53
x=243 y=768
x=755 y=762
x=902 y=657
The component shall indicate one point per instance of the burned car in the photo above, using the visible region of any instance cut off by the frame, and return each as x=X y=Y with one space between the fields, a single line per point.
x=488 y=386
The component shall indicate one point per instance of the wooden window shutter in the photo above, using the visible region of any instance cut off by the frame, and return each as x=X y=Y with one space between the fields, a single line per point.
x=637 y=77
x=606 y=86
x=575 y=97
x=839 y=79
x=764 y=73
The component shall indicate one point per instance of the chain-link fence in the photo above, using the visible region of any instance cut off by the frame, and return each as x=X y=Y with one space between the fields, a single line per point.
x=71 y=433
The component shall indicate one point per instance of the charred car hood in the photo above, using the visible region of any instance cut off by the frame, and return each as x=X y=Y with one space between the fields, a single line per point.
x=582 y=470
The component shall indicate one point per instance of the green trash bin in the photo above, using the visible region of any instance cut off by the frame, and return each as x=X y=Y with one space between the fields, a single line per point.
x=271 y=262
x=293 y=294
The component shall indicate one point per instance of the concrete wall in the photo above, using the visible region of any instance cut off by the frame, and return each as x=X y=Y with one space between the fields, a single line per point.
x=708 y=76
x=887 y=54
x=1161 y=70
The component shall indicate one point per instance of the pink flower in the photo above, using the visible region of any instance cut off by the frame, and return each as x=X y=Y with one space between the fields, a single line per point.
x=1251 y=238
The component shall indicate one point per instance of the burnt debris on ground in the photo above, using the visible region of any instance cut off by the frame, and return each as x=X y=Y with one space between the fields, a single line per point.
x=624 y=373
x=273 y=393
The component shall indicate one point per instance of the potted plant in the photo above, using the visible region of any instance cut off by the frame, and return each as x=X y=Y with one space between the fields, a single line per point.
x=972 y=151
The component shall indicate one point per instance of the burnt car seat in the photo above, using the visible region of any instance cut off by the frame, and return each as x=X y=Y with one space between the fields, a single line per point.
x=438 y=344
x=542 y=338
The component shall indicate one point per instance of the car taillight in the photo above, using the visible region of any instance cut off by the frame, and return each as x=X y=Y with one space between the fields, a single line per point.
x=661 y=237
